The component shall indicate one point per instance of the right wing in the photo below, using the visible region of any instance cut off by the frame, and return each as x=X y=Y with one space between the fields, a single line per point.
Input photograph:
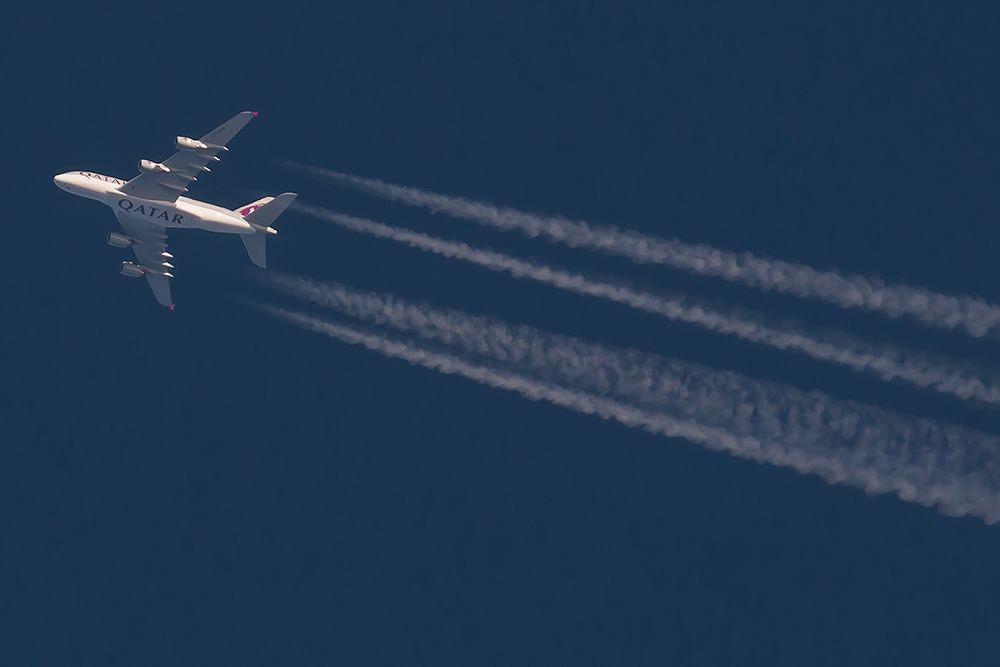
x=150 y=248
x=184 y=166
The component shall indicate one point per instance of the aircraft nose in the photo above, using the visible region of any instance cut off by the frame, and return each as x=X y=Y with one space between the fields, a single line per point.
x=61 y=180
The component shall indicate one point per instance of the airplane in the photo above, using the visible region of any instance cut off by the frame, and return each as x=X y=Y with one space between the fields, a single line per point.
x=150 y=204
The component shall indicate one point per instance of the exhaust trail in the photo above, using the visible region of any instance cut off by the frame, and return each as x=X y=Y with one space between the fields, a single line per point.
x=645 y=378
x=526 y=387
x=973 y=315
x=918 y=460
x=884 y=362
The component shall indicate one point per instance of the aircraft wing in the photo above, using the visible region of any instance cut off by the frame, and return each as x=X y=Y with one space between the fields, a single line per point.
x=150 y=242
x=184 y=166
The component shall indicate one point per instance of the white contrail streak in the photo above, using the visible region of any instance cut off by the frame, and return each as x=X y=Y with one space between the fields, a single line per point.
x=886 y=363
x=971 y=314
x=918 y=460
x=526 y=387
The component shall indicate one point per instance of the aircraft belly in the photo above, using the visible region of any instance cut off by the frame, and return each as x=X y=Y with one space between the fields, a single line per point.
x=180 y=215
x=161 y=214
x=224 y=226
x=212 y=220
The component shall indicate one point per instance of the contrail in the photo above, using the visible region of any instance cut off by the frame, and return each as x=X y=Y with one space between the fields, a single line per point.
x=645 y=378
x=526 y=387
x=886 y=363
x=971 y=314
x=917 y=460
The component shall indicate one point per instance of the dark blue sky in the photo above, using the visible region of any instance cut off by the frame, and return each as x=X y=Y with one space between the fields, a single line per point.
x=211 y=486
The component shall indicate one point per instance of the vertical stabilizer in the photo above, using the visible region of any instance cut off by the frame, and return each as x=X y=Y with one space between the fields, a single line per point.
x=260 y=214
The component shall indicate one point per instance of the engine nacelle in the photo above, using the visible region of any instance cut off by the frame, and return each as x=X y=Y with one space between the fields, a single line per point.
x=119 y=240
x=189 y=144
x=131 y=270
x=150 y=166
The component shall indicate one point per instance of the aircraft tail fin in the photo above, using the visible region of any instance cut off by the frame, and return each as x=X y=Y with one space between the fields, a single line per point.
x=263 y=212
x=260 y=214
x=247 y=209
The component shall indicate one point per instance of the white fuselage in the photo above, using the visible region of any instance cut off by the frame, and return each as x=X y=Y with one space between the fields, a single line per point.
x=183 y=214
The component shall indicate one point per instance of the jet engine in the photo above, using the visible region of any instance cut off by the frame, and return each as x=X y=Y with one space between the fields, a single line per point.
x=132 y=270
x=119 y=240
x=189 y=144
x=150 y=166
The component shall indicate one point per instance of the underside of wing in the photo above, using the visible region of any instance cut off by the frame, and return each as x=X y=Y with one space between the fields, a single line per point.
x=149 y=243
x=161 y=289
x=168 y=180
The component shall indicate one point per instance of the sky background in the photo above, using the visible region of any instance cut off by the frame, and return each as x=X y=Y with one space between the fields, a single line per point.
x=211 y=486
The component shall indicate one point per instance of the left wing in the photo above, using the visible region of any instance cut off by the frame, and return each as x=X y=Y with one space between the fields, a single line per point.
x=166 y=181
x=149 y=243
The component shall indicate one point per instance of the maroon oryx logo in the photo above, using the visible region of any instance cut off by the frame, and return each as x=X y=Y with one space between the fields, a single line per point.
x=250 y=209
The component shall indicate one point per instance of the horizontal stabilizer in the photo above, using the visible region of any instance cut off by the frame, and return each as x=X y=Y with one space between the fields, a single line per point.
x=256 y=245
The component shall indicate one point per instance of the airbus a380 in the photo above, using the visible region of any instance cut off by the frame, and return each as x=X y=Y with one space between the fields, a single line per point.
x=151 y=203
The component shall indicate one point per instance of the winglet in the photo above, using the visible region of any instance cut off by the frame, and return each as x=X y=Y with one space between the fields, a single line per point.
x=171 y=307
x=255 y=114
